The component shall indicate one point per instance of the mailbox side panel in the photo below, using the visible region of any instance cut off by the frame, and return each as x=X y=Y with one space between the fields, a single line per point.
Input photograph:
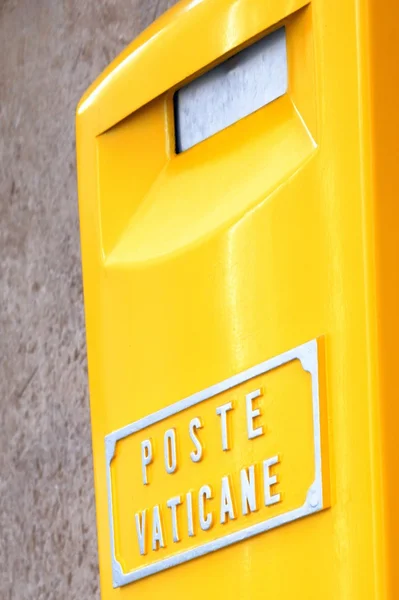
x=384 y=121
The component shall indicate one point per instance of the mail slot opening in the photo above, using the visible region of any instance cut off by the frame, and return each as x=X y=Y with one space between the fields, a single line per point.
x=231 y=91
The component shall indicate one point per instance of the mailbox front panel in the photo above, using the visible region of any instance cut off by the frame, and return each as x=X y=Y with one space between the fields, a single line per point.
x=227 y=296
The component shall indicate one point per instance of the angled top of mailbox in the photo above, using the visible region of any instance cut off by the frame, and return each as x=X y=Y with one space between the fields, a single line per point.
x=201 y=68
x=189 y=38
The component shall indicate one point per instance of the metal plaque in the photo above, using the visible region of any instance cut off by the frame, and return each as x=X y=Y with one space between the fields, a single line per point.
x=218 y=467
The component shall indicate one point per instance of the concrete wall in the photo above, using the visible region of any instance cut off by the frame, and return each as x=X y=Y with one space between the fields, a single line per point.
x=50 y=51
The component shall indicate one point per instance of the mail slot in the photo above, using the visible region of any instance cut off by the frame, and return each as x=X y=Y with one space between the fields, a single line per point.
x=231 y=278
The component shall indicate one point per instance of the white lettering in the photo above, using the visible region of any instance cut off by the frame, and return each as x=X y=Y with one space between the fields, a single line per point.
x=140 y=527
x=157 y=532
x=269 y=480
x=248 y=493
x=146 y=458
x=222 y=412
x=173 y=503
x=190 y=520
x=252 y=413
x=226 y=502
x=205 y=522
x=194 y=425
x=169 y=447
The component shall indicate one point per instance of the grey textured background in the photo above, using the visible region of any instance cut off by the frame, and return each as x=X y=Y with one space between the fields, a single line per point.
x=50 y=51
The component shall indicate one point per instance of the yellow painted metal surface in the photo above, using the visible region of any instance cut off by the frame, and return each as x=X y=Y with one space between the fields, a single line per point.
x=202 y=265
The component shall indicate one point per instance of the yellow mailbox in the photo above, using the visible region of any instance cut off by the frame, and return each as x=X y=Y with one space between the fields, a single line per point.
x=236 y=168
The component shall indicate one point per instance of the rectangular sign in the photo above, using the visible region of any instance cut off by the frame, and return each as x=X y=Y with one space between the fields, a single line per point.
x=227 y=463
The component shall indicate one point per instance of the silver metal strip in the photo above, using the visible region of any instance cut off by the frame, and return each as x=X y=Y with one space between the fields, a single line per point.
x=231 y=91
x=307 y=355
